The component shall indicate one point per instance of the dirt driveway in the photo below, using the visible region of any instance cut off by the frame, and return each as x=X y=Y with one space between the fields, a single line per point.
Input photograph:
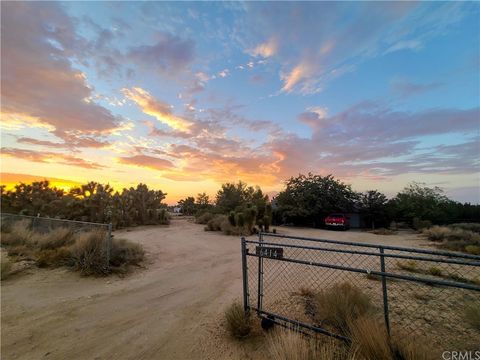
x=169 y=310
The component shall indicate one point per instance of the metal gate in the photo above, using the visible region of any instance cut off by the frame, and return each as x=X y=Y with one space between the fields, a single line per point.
x=397 y=280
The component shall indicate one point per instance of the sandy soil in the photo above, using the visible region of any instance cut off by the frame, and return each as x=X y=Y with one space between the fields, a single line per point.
x=171 y=309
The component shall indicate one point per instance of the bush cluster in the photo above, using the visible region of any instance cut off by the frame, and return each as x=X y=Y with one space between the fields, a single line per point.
x=92 y=202
x=83 y=251
x=455 y=237
x=349 y=311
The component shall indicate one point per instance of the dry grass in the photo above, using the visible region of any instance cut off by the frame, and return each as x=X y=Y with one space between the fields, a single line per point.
x=215 y=224
x=410 y=266
x=383 y=231
x=472 y=314
x=85 y=252
x=475 y=227
x=89 y=253
x=238 y=323
x=5 y=268
x=204 y=218
x=370 y=339
x=435 y=271
x=54 y=257
x=457 y=237
x=125 y=253
x=436 y=233
x=54 y=239
x=18 y=233
x=341 y=304
x=472 y=249
x=289 y=345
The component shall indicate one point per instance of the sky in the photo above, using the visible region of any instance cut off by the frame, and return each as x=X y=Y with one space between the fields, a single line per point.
x=185 y=96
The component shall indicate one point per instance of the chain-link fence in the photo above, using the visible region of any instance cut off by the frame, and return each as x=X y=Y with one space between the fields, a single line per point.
x=45 y=225
x=417 y=292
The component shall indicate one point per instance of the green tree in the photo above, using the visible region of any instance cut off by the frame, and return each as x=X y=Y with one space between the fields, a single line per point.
x=188 y=206
x=373 y=207
x=419 y=201
x=308 y=199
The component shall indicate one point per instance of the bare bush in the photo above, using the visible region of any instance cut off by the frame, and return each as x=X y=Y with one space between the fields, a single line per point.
x=89 y=253
x=54 y=257
x=475 y=227
x=5 y=268
x=124 y=253
x=215 y=224
x=54 y=239
x=340 y=304
x=472 y=314
x=19 y=233
x=204 y=218
x=238 y=323
x=436 y=233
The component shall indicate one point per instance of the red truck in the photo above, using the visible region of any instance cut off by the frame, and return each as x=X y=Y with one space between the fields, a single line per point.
x=337 y=221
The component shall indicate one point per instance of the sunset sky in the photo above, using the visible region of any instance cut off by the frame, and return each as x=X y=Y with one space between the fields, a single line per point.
x=184 y=96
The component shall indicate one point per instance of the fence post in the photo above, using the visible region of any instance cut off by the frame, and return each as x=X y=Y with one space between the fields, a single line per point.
x=384 y=289
x=246 y=307
x=260 y=275
x=109 y=244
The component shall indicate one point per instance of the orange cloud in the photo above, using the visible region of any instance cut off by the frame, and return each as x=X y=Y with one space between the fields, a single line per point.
x=159 y=110
x=146 y=161
x=266 y=49
x=298 y=73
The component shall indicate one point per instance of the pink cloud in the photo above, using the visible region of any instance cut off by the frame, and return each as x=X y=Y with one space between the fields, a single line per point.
x=146 y=161
x=49 y=157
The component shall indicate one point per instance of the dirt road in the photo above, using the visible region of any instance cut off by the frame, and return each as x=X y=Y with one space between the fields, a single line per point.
x=169 y=310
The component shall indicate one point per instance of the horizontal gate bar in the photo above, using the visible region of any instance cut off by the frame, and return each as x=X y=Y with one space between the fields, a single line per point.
x=299 y=323
x=378 y=273
x=359 y=252
x=387 y=247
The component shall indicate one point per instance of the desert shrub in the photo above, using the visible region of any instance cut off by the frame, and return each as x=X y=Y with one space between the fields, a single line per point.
x=54 y=257
x=19 y=250
x=288 y=345
x=406 y=347
x=5 y=268
x=204 y=218
x=475 y=227
x=473 y=249
x=215 y=224
x=383 y=231
x=410 y=266
x=124 y=253
x=370 y=339
x=238 y=323
x=228 y=229
x=419 y=224
x=472 y=314
x=435 y=271
x=54 y=239
x=163 y=217
x=436 y=233
x=89 y=253
x=19 y=234
x=340 y=304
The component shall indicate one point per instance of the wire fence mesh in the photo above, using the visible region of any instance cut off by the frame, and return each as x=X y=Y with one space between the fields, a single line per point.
x=43 y=225
x=418 y=292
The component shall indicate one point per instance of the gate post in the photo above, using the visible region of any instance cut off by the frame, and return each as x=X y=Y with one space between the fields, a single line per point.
x=384 y=289
x=246 y=306
x=260 y=275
